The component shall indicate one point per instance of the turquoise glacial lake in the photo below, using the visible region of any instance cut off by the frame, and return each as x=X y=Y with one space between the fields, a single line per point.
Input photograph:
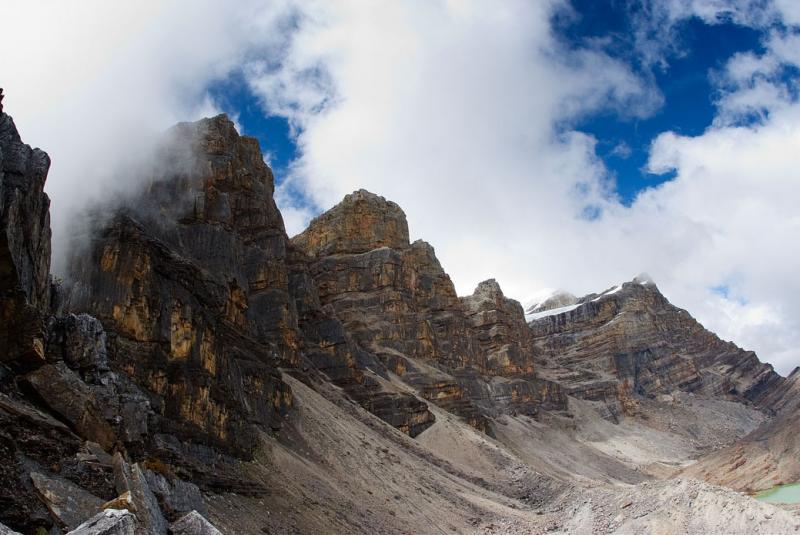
x=782 y=494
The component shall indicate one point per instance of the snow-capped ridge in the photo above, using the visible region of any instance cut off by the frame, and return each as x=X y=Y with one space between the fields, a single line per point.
x=561 y=301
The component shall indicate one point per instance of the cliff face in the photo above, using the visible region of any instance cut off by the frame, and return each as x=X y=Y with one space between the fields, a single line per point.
x=24 y=291
x=194 y=291
x=395 y=299
x=207 y=298
x=24 y=248
x=501 y=331
x=391 y=294
x=631 y=341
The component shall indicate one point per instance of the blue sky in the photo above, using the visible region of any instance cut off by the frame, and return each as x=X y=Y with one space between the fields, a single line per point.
x=684 y=81
x=234 y=96
x=623 y=142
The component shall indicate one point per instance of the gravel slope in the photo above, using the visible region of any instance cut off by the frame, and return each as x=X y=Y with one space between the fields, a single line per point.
x=338 y=469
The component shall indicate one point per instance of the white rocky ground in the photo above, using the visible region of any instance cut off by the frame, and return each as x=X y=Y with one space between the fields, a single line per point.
x=354 y=474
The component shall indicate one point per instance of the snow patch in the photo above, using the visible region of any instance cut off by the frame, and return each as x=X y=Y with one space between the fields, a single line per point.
x=540 y=297
x=552 y=312
x=612 y=291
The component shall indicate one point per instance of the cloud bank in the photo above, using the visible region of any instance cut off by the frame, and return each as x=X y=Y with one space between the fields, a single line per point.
x=464 y=114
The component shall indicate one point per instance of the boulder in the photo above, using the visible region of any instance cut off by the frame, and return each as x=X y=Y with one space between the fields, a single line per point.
x=80 y=341
x=193 y=523
x=68 y=503
x=176 y=496
x=100 y=455
x=109 y=522
x=5 y=530
x=27 y=433
x=69 y=397
x=123 y=501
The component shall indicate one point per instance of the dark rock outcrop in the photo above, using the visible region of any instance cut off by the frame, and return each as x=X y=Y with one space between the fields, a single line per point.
x=66 y=395
x=28 y=435
x=109 y=522
x=81 y=342
x=194 y=338
x=130 y=479
x=175 y=496
x=68 y=503
x=24 y=249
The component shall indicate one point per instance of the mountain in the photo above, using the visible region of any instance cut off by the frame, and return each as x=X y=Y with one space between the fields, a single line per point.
x=396 y=300
x=197 y=366
x=630 y=341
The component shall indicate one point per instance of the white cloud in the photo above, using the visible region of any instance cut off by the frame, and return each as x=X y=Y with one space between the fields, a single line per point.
x=621 y=150
x=94 y=82
x=460 y=112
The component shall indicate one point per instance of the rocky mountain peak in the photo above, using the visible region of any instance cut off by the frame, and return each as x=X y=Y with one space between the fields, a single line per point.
x=644 y=279
x=361 y=222
x=207 y=173
x=630 y=339
x=489 y=287
x=489 y=296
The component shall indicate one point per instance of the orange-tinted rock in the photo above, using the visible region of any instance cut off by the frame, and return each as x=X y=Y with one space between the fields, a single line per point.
x=194 y=289
x=206 y=297
x=360 y=223
x=395 y=300
x=502 y=334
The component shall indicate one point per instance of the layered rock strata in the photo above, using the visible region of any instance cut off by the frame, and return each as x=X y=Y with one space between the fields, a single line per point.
x=630 y=341
x=396 y=300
